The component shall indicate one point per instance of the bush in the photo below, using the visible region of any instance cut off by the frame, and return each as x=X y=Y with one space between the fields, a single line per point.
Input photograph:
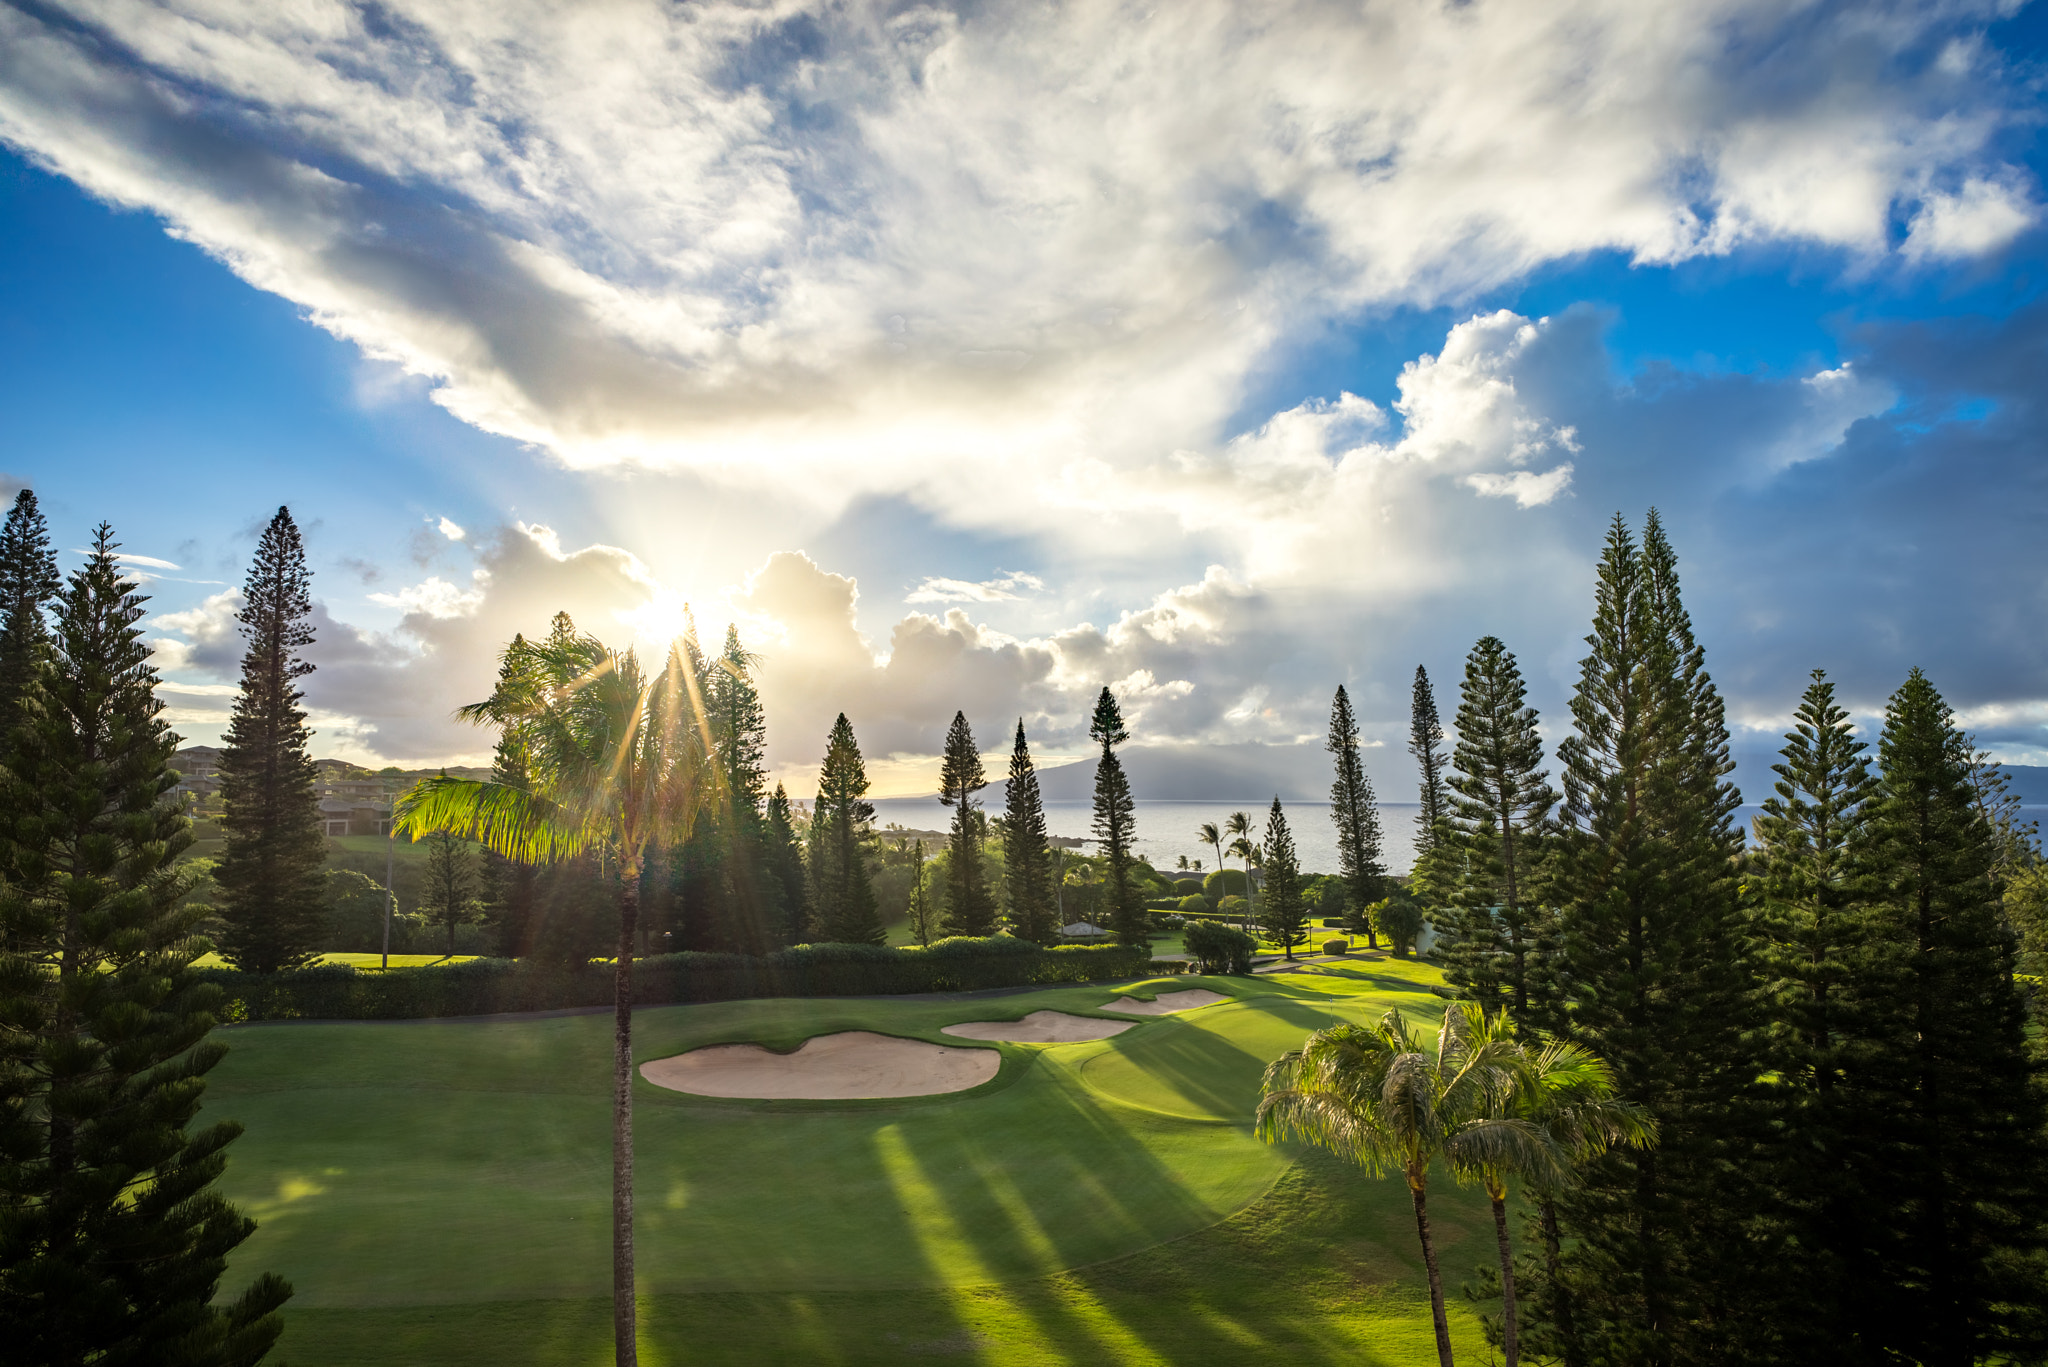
x=485 y=987
x=1223 y=883
x=1400 y=920
x=1188 y=887
x=1162 y=967
x=1218 y=948
x=1336 y=946
x=1231 y=908
x=1196 y=903
x=1333 y=923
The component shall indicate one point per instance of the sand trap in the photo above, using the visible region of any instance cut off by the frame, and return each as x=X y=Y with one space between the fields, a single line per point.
x=852 y=1064
x=1167 y=1002
x=1042 y=1027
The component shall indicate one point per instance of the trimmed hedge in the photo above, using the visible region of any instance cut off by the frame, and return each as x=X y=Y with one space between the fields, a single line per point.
x=486 y=987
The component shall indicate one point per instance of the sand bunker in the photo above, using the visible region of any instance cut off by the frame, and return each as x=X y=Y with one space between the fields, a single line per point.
x=1042 y=1027
x=1166 y=1003
x=853 y=1064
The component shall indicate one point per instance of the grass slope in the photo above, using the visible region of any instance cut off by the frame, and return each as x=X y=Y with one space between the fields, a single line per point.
x=438 y=1193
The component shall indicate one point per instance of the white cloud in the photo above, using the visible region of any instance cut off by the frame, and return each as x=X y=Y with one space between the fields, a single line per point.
x=1526 y=488
x=452 y=531
x=1982 y=217
x=1039 y=235
x=433 y=597
x=1003 y=588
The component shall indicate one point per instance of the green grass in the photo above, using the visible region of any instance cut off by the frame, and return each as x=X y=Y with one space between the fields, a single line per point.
x=439 y=1193
x=370 y=962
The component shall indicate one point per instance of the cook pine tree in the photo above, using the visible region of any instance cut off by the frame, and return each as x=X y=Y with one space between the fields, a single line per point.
x=1961 y=1158
x=842 y=890
x=1829 y=981
x=1499 y=806
x=1355 y=812
x=753 y=917
x=1115 y=823
x=783 y=856
x=1426 y=744
x=269 y=874
x=115 y=1238
x=1283 y=912
x=1654 y=1270
x=28 y=590
x=1027 y=851
x=970 y=903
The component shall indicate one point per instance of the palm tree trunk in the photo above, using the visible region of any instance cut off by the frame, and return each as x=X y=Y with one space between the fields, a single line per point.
x=1510 y=1333
x=1436 y=1281
x=625 y=1343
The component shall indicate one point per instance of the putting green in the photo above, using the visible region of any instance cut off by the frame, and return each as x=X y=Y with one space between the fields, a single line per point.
x=419 y=1168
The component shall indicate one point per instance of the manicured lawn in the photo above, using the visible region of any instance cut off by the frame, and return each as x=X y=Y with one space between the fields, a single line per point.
x=362 y=961
x=439 y=1193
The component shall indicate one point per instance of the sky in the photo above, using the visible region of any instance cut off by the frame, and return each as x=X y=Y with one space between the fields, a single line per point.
x=979 y=356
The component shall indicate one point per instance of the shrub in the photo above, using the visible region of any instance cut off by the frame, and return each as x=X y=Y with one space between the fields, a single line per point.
x=1231 y=908
x=1223 y=883
x=1218 y=948
x=1336 y=946
x=1188 y=887
x=490 y=986
x=1400 y=920
x=1162 y=967
x=1196 y=903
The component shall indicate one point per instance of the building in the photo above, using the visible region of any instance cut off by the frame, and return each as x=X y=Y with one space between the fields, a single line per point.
x=198 y=768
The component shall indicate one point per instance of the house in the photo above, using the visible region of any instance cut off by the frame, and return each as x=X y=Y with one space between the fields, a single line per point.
x=198 y=768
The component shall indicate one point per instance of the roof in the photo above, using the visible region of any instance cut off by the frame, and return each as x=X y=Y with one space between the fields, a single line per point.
x=1080 y=928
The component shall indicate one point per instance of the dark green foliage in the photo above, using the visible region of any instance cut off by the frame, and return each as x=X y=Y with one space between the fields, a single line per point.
x=1356 y=813
x=841 y=894
x=450 y=898
x=112 y=1243
x=782 y=854
x=1658 y=984
x=1498 y=808
x=1426 y=743
x=1218 y=948
x=492 y=986
x=510 y=890
x=748 y=915
x=1829 y=984
x=1398 y=916
x=1961 y=1167
x=970 y=904
x=355 y=912
x=1283 y=911
x=1116 y=825
x=1223 y=883
x=1027 y=854
x=28 y=586
x=269 y=874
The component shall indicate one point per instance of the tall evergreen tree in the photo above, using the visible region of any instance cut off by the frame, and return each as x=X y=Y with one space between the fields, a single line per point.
x=113 y=1241
x=841 y=890
x=1426 y=743
x=1027 y=853
x=1116 y=823
x=785 y=864
x=269 y=873
x=1658 y=982
x=449 y=894
x=28 y=587
x=1283 y=913
x=1963 y=1164
x=971 y=907
x=753 y=918
x=510 y=889
x=1499 y=807
x=1357 y=816
x=1829 y=985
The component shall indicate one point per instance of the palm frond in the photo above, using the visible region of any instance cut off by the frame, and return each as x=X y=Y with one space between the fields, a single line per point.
x=509 y=821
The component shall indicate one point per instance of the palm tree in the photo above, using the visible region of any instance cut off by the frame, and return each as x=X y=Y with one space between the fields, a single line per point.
x=616 y=763
x=1252 y=856
x=1566 y=1094
x=1377 y=1096
x=1209 y=835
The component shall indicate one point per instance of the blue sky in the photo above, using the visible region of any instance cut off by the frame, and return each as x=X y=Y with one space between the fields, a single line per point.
x=974 y=359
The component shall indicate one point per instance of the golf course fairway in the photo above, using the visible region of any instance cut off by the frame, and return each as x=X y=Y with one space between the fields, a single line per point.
x=439 y=1192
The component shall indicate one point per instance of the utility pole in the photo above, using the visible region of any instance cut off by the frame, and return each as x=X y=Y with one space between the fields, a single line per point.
x=390 y=897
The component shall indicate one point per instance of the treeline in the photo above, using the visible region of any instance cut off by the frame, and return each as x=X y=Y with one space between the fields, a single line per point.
x=113 y=1244
x=1827 y=1026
